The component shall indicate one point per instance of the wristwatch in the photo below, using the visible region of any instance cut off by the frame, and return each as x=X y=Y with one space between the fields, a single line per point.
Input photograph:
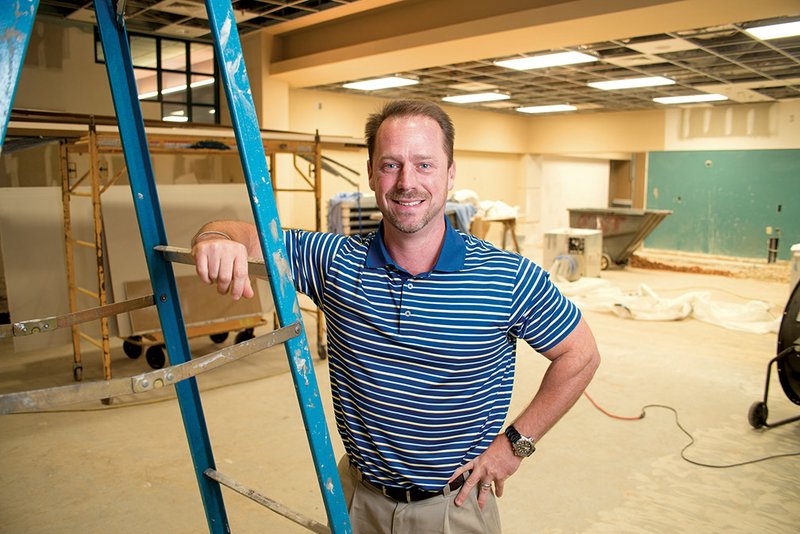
x=523 y=446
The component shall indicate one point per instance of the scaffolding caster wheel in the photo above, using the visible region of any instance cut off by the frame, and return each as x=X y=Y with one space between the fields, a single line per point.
x=219 y=338
x=605 y=261
x=132 y=347
x=77 y=372
x=323 y=352
x=757 y=415
x=156 y=356
x=244 y=335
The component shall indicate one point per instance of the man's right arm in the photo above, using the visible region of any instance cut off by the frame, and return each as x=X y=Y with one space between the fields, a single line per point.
x=220 y=250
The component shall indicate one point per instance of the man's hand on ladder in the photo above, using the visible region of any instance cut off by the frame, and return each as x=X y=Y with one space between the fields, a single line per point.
x=219 y=260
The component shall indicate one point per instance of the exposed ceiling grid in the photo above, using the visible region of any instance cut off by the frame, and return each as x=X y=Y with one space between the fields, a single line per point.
x=722 y=59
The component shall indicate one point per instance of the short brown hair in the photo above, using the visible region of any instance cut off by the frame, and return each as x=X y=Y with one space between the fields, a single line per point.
x=405 y=108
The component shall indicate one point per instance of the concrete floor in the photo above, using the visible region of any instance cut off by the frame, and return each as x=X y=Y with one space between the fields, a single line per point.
x=126 y=468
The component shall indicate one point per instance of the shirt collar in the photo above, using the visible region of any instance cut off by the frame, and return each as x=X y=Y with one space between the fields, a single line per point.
x=451 y=258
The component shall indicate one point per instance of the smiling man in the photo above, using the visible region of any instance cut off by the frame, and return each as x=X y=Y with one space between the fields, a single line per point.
x=423 y=322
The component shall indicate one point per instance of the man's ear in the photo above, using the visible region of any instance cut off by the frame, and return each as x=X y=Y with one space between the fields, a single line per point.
x=451 y=176
x=369 y=175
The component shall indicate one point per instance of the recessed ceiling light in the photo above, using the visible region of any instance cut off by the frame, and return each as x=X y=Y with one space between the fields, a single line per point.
x=548 y=60
x=175 y=89
x=546 y=109
x=175 y=118
x=631 y=83
x=690 y=99
x=476 y=97
x=381 y=83
x=776 y=31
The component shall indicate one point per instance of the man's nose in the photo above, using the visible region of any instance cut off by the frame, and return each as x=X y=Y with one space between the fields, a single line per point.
x=407 y=177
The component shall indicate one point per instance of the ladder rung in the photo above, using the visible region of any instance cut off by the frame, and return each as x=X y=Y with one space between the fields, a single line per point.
x=275 y=506
x=45 y=399
x=77 y=194
x=88 y=292
x=184 y=255
x=83 y=243
x=91 y=340
x=48 y=324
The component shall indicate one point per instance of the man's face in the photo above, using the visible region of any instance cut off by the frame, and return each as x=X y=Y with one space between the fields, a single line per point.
x=409 y=172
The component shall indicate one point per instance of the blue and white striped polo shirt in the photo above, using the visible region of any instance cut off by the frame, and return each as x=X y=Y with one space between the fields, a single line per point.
x=422 y=366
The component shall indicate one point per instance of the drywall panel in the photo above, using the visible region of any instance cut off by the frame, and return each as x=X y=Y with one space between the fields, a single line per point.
x=774 y=125
x=726 y=202
x=571 y=183
x=32 y=236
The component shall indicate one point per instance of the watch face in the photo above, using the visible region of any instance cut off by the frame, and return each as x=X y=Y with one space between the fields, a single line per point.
x=523 y=447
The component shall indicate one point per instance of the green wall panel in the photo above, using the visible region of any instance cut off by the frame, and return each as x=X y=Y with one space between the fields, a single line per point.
x=723 y=201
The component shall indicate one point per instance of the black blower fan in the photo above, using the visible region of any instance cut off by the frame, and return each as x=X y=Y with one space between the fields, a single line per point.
x=787 y=361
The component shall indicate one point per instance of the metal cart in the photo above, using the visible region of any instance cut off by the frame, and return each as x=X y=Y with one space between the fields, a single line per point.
x=206 y=314
x=624 y=229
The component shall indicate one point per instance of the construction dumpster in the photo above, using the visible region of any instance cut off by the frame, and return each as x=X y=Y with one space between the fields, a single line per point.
x=624 y=229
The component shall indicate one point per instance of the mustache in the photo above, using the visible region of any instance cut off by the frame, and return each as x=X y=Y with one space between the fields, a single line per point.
x=408 y=194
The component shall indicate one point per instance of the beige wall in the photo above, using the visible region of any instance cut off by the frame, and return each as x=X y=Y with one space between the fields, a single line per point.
x=638 y=131
x=60 y=74
x=494 y=151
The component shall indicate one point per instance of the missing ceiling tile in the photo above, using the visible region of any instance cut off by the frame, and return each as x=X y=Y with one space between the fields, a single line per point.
x=663 y=46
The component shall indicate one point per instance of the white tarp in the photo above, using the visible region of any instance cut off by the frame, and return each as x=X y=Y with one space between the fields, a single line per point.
x=644 y=304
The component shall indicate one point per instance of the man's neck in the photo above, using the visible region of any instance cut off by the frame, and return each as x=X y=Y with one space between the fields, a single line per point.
x=418 y=252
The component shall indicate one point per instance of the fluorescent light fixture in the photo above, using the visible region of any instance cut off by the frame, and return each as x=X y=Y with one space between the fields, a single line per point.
x=631 y=83
x=176 y=89
x=547 y=109
x=476 y=97
x=175 y=118
x=380 y=83
x=776 y=31
x=151 y=94
x=690 y=99
x=202 y=83
x=548 y=60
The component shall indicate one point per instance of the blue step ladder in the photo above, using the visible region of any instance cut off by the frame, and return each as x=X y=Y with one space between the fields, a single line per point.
x=16 y=23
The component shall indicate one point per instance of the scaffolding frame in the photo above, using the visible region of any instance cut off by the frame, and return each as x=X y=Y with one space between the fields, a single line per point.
x=96 y=136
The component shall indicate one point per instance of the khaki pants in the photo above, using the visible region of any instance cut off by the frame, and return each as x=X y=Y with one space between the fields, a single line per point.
x=373 y=513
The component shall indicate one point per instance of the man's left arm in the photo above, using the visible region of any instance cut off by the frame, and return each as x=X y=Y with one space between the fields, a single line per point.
x=572 y=364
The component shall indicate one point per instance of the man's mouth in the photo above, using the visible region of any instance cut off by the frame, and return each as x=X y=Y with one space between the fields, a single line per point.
x=409 y=203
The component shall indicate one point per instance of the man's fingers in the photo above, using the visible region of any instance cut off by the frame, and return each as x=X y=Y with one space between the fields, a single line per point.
x=241 y=286
x=468 y=486
x=460 y=471
x=224 y=275
x=498 y=487
x=484 y=489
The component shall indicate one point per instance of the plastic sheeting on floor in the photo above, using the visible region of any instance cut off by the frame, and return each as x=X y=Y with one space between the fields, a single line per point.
x=644 y=304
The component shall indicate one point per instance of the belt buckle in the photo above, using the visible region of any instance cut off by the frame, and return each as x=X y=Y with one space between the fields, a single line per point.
x=394 y=497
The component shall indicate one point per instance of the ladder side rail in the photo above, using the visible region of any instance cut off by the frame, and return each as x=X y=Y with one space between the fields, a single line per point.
x=16 y=25
x=69 y=251
x=251 y=152
x=145 y=198
x=97 y=223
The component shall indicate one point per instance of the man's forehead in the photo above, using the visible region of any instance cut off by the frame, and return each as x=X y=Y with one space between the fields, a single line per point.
x=415 y=122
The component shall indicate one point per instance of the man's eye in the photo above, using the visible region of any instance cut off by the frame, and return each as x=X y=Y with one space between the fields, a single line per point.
x=391 y=166
x=425 y=165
